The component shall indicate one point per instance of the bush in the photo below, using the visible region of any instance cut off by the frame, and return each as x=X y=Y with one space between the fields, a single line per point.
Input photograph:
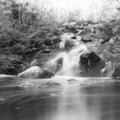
x=22 y=33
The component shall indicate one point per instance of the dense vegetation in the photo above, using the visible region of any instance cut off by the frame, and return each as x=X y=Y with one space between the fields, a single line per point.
x=22 y=32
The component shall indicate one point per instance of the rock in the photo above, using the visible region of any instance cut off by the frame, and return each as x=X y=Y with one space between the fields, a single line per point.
x=72 y=81
x=7 y=76
x=92 y=65
x=52 y=84
x=108 y=30
x=27 y=85
x=32 y=72
x=78 y=38
x=108 y=70
x=116 y=72
x=102 y=41
x=62 y=44
x=48 y=42
x=89 y=59
x=52 y=41
x=55 y=39
x=35 y=72
x=85 y=31
x=113 y=40
x=45 y=74
x=46 y=51
x=73 y=37
x=65 y=37
x=72 y=29
x=69 y=44
x=86 y=38
x=104 y=33
x=99 y=33
x=55 y=64
x=116 y=30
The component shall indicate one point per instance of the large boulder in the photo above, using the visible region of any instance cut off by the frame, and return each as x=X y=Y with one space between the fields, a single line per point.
x=35 y=72
x=92 y=65
x=89 y=59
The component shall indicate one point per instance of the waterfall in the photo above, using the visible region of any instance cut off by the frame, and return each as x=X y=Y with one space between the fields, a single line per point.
x=68 y=64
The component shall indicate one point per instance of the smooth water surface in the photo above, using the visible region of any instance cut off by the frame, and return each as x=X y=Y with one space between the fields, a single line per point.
x=60 y=99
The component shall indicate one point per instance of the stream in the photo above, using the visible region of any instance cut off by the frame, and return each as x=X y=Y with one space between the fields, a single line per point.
x=60 y=98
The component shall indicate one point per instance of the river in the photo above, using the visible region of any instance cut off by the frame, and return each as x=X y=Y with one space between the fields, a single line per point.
x=60 y=98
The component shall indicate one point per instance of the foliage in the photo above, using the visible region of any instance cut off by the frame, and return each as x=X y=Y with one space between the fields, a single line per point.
x=22 y=33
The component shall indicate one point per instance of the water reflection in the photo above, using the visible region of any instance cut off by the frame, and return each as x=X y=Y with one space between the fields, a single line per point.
x=73 y=105
x=100 y=101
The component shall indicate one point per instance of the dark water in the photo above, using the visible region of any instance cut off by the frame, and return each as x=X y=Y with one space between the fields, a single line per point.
x=90 y=99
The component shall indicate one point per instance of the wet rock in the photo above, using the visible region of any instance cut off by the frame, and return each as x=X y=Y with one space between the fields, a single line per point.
x=69 y=44
x=116 y=30
x=99 y=33
x=35 y=72
x=102 y=41
x=73 y=37
x=108 y=30
x=62 y=44
x=86 y=38
x=32 y=72
x=72 y=29
x=105 y=33
x=45 y=74
x=46 y=51
x=109 y=69
x=116 y=72
x=52 y=84
x=65 y=37
x=89 y=59
x=7 y=76
x=113 y=40
x=27 y=85
x=78 y=38
x=85 y=31
x=72 y=81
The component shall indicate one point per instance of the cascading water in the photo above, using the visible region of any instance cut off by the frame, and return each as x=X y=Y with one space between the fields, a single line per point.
x=69 y=64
